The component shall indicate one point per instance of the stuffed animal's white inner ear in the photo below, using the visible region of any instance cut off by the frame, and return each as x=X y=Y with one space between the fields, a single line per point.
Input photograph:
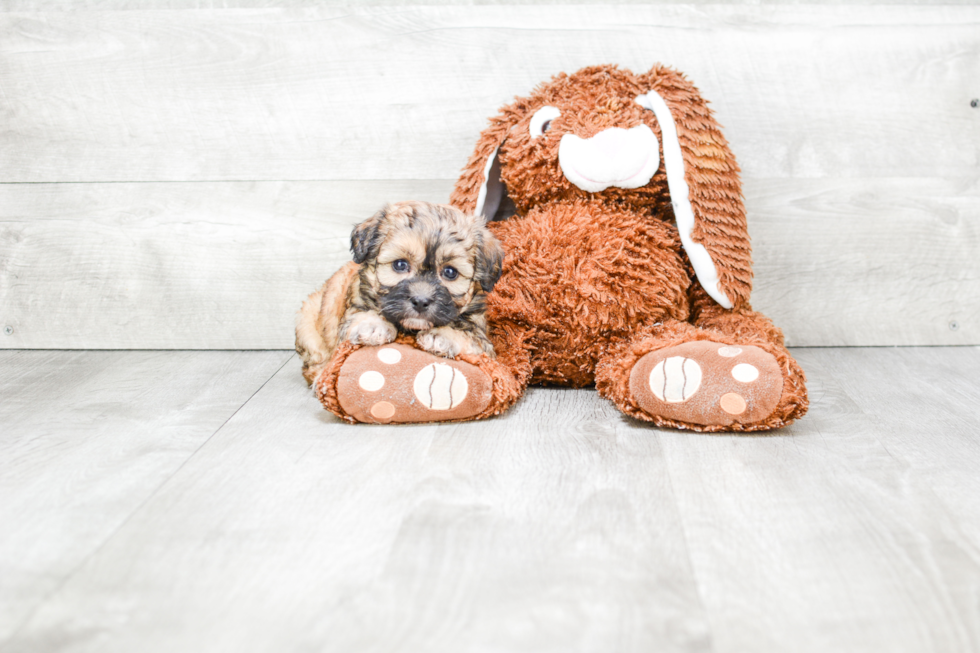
x=680 y=198
x=492 y=188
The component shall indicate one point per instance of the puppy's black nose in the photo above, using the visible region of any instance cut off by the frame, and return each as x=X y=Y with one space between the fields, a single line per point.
x=421 y=303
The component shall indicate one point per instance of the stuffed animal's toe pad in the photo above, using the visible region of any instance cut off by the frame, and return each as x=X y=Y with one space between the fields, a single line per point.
x=708 y=383
x=400 y=384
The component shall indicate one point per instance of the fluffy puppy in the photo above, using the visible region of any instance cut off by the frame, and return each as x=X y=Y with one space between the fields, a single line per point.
x=419 y=268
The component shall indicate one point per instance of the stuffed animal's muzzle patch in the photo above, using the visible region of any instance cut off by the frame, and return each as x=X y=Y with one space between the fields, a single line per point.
x=624 y=158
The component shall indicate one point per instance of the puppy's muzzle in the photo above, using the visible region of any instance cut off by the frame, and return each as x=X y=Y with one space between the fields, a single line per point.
x=418 y=304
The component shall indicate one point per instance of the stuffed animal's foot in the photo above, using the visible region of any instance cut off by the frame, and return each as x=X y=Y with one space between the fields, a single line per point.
x=400 y=384
x=705 y=383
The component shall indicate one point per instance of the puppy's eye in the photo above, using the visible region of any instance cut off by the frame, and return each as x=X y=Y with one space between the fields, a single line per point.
x=401 y=265
x=541 y=120
x=450 y=273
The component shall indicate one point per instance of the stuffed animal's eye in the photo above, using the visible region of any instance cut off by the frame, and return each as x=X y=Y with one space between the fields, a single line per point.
x=401 y=265
x=541 y=120
x=450 y=273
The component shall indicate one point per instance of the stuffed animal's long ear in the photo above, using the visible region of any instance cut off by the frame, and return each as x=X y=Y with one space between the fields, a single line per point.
x=705 y=189
x=366 y=237
x=479 y=189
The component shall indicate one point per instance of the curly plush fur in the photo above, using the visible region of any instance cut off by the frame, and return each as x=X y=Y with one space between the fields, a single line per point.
x=594 y=281
x=604 y=285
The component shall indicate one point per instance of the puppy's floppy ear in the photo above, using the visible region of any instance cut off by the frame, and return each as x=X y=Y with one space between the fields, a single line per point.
x=367 y=236
x=705 y=189
x=489 y=260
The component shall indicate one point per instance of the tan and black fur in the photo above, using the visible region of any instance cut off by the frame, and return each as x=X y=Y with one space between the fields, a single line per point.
x=419 y=268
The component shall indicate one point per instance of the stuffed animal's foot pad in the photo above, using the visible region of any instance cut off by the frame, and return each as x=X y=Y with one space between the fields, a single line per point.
x=400 y=384
x=708 y=383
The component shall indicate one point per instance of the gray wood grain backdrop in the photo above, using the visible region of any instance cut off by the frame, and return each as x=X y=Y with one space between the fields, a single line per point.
x=181 y=174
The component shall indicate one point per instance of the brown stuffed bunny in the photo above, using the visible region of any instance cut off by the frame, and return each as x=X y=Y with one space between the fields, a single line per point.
x=628 y=265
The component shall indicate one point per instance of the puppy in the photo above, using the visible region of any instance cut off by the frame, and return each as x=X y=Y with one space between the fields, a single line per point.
x=419 y=268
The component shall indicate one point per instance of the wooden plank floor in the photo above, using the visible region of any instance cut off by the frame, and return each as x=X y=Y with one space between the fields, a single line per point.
x=202 y=501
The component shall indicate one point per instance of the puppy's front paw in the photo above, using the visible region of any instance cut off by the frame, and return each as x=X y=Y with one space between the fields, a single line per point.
x=372 y=331
x=448 y=342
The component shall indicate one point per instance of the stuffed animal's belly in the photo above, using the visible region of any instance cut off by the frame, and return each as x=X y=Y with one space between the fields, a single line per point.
x=581 y=276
